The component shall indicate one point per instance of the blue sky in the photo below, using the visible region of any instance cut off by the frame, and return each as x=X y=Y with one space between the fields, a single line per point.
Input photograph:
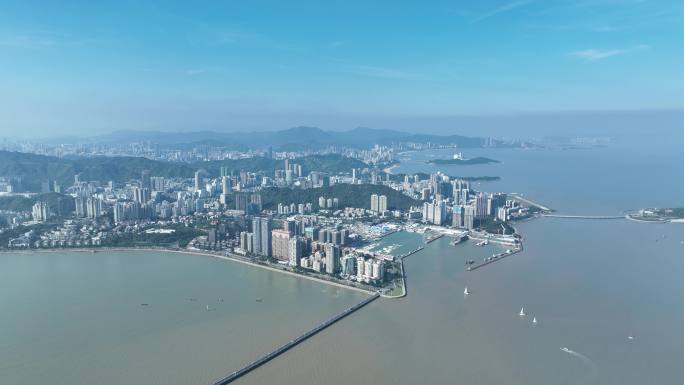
x=96 y=66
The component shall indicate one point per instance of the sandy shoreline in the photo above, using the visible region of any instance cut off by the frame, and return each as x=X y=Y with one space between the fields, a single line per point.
x=192 y=252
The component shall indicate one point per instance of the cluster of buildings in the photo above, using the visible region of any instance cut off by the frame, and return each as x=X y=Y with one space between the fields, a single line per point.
x=300 y=243
x=227 y=212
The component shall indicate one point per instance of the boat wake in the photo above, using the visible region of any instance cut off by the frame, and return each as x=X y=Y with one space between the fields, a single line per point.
x=593 y=369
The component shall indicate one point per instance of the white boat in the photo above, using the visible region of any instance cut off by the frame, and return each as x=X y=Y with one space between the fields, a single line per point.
x=208 y=308
x=534 y=320
x=466 y=292
x=522 y=311
x=566 y=350
x=630 y=337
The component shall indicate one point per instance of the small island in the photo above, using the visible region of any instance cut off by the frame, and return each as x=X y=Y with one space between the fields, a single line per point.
x=658 y=215
x=463 y=161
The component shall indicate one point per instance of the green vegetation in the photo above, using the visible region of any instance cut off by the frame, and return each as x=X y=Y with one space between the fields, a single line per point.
x=330 y=163
x=677 y=212
x=495 y=227
x=180 y=238
x=18 y=231
x=349 y=195
x=59 y=203
x=464 y=162
x=658 y=215
x=35 y=169
x=422 y=175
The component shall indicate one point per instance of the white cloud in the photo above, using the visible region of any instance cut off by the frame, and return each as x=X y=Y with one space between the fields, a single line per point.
x=27 y=41
x=385 y=72
x=600 y=54
x=195 y=71
x=504 y=8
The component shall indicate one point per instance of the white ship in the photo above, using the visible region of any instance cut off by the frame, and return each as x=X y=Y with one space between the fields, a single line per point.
x=466 y=292
x=522 y=311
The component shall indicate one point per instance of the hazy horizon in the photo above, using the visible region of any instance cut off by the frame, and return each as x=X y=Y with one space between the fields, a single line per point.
x=518 y=126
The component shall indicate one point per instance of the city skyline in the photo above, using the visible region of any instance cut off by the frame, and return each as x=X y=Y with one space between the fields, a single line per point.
x=241 y=66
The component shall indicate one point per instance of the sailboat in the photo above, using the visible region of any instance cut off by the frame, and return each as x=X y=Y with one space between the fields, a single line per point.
x=466 y=292
x=522 y=311
x=534 y=320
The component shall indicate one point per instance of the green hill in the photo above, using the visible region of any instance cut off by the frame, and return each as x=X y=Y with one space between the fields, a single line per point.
x=59 y=203
x=35 y=169
x=349 y=195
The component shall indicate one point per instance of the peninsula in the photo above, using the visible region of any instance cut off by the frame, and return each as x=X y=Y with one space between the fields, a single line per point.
x=463 y=161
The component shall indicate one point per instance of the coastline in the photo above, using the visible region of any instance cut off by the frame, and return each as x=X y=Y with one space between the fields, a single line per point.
x=388 y=170
x=192 y=252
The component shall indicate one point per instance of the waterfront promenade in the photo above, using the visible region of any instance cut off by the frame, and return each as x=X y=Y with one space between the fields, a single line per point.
x=292 y=343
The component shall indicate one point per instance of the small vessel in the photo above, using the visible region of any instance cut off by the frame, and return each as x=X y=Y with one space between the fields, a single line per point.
x=466 y=292
x=566 y=350
x=208 y=308
x=258 y=299
x=522 y=311
x=534 y=320
x=144 y=304
x=630 y=337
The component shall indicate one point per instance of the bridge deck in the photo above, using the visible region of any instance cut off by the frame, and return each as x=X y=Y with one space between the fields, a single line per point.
x=283 y=348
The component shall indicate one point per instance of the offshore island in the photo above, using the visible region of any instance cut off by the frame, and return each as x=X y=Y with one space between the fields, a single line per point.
x=459 y=159
x=658 y=215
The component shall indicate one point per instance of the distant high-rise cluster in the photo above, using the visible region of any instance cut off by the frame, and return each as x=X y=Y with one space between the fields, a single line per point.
x=328 y=203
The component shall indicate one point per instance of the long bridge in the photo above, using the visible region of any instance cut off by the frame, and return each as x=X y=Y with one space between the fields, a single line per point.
x=584 y=216
x=292 y=343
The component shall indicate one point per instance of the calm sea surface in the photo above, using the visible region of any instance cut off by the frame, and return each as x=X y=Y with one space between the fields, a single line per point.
x=76 y=318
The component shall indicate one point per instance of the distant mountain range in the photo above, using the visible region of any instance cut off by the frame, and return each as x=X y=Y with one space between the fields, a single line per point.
x=290 y=139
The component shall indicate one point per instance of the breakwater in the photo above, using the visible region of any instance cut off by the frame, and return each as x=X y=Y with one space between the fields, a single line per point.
x=494 y=258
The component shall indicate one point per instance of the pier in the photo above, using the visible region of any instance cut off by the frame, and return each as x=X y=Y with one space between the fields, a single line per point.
x=292 y=343
x=493 y=259
x=433 y=238
x=411 y=252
